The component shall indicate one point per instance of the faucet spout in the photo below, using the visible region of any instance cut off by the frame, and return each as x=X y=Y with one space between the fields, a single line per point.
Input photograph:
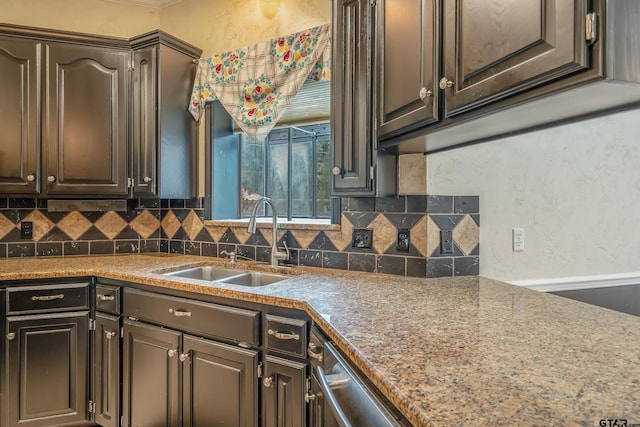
x=276 y=254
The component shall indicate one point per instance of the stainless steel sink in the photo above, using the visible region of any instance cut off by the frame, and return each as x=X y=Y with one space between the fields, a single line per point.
x=253 y=278
x=228 y=275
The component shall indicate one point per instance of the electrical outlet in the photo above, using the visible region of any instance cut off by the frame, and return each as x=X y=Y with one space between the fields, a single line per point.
x=26 y=230
x=446 y=241
x=402 y=244
x=362 y=238
x=518 y=239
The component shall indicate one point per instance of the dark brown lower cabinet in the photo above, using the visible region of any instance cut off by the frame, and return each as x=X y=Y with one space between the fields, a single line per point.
x=284 y=389
x=106 y=370
x=46 y=369
x=219 y=384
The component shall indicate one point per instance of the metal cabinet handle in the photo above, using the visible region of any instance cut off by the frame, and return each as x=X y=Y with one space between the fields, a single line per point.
x=51 y=178
x=267 y=381
x=445 y=83
x=425 y=93
x=47 y=297
x=337 y=170
x=11 y=336
x=326 y=386
x=147 y=179
x=313 y=354
x=109 y=335
x=309 y=397
x=284 y=335
x=171 y=352
x=102 y=297
x=31 y=177
x=184 y=357
x=180 y=313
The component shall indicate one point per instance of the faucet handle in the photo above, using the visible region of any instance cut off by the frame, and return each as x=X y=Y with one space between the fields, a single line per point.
x=286 y=248
x=231 y=255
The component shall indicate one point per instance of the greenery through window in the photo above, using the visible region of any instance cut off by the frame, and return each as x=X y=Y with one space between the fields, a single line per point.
x=292 y=167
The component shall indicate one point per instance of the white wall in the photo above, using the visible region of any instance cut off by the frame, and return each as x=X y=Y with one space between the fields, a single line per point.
x=574 y=188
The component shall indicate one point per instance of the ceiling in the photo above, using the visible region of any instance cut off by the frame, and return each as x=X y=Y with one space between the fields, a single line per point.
x=151 y=3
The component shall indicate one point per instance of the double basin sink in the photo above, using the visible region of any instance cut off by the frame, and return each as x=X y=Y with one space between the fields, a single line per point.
x=228 y=275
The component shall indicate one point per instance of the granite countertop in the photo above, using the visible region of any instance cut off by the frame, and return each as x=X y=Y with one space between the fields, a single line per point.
x=456 y=351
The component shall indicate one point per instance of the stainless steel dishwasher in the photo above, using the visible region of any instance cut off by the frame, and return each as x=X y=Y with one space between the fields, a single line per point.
x=340 y=396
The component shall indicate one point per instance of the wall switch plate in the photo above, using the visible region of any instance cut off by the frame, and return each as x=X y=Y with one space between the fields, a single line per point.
x=402 y=244
x=26 y=230
x=518 y=239
x=446 y=241
x=362 y=238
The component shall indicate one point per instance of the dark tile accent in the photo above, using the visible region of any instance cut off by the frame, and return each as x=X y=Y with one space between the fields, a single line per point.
x=456 y=252
x=391 y=265
x=209 y=249
x=164 y=246
x=42 y=204
x=263 y=254
x=3 y=250
x=466 y=266
x=49 y=249
x=247 y=251
x=181 y=214
x=475 y=251
x=128 y=216
x=76 y=248
x=15 y=215
x=15 y=203
x=337 y=260
x=4 y=202
x=257 y=239
x=12 y=236
x=180 y=235
x=204 y=236
x=360 y=219
x=149 y=203
x=54 y=217
x=417 y=267
x=390 y=204
x=466 y=204
x=21 y=250
x=362 y=262
x=476 y=218
x=439 y=267
x=127 y=246
x=446 y=222
x=404 y=220
x=55 y=235
x=361 y=204
x=92 y=217
x=229 y=237
x=127 y=233
x=93 y=234
x=176 y=247
x=290 y=239
x=147 y=246
x=322 y=242
x=102 y=248
x=195 y=203
x=439 y=204
x=192 y=248
x=416 y=203
x=176 y=203
x=164 y=203
x=310 y=258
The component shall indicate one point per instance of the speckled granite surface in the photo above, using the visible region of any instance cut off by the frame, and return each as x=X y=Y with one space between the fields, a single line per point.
x=448 y=352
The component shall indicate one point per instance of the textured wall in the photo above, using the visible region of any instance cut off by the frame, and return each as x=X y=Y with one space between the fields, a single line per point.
x=574 y=188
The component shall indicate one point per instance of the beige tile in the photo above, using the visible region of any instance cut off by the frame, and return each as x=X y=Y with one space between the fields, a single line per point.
x=466 y=234
x=267 y=233
x=419 y=235
x=192 y=225
x=342 y=239
x=41 y=224
x=74 y=225
x=384 y=233
x=145 y=224
x=111 y=224
x=433 y=236
x=412 y=174
x=5 y=226
x=170 y=224
x=216 y=232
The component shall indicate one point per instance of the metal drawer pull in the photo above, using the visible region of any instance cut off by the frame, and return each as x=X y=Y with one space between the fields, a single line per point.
x=180 y=313
x=47 y=297
x=172 y=352
x=102 y=297
x=11 y=336
x=284 y=335
x=312 y=353
x=109 y=335
x=267 y=381
x=184 y=357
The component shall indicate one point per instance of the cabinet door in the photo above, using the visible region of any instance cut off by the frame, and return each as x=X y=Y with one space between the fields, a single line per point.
x=85 y=124
x=106 y=370
x=496 y=48
x=150 y=385
x=407 y=64
x=351 y=112
x=283 y=393
x=46 y=369
x=19 y=116
x=219 y=384
x=144 y=133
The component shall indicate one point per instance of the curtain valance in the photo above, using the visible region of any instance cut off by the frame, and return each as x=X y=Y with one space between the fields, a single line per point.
x=257 y=83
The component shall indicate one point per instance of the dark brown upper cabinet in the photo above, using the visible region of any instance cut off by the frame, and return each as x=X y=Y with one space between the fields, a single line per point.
x=85 y=120
x=163 y=134
x=499 y=67
x=19 y=115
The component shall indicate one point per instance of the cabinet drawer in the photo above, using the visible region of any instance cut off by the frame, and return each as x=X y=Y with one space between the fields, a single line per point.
x=47 y=298
x=108 y=299
x=285 y=335
x=196 y=317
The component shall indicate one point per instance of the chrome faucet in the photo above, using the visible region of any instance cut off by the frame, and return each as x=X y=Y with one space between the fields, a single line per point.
x=276 y=254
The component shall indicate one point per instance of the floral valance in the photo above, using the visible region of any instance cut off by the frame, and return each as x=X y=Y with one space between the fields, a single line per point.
x=257 y=83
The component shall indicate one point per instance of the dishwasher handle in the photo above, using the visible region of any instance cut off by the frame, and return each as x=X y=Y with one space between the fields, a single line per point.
x=325 y=385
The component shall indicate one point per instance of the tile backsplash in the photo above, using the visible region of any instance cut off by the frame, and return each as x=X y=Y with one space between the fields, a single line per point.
x=177 y=226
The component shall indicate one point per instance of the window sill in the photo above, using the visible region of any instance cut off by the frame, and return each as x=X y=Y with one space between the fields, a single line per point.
x=296 y=224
